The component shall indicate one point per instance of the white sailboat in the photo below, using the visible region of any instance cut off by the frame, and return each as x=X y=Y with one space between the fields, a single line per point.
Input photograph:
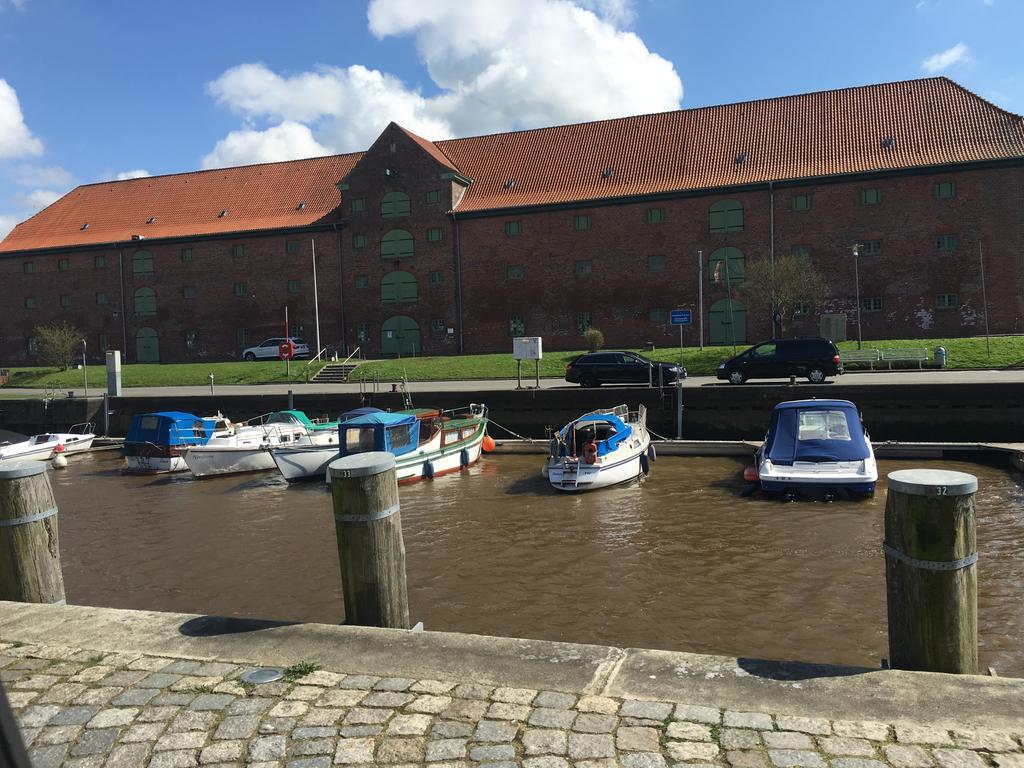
x=600 y=449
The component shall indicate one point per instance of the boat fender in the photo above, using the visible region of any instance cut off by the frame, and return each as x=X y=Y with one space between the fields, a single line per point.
x=553 y=448
x=590 y=452
x=645 y=464
x=488 y=444
x=464 y=457
x=750 y=474
x=651 y=453
x=59 y=460
x=428 y=470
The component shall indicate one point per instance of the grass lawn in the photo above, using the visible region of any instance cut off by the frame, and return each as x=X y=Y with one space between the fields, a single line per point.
x=1006 y=352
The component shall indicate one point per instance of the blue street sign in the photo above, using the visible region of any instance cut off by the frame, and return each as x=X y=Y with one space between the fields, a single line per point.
x=681 y=317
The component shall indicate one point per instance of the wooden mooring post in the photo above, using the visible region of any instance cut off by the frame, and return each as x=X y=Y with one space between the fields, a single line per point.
x=29 y=549
x=371 y=552
x=931 y=571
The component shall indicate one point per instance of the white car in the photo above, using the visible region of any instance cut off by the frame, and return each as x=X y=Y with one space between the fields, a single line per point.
x=271 y=349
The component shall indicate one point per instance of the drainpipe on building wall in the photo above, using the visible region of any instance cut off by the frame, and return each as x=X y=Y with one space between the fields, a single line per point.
x=124 y=309
x=771 y=238
x=458 y=279
x=341 y=291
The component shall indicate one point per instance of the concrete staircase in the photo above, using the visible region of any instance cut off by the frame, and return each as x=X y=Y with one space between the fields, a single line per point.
x=334 y=373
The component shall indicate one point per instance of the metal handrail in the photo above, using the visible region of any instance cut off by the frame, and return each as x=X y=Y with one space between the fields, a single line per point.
x=317 y=357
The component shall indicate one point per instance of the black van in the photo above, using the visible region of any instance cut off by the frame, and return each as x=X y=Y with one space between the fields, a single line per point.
x=815 y=358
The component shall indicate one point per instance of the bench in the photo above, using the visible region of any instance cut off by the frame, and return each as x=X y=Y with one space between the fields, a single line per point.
x=918 y=354
x=860 y=356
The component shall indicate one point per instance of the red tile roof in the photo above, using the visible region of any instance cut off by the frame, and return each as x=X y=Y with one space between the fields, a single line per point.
x=931 y=122
x=429 y=147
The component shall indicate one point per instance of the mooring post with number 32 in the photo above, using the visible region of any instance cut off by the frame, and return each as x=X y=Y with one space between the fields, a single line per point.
x=931 y=571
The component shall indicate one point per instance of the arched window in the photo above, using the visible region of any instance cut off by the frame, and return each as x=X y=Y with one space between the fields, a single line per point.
x=145 y=301
x=726 y=216
x=397 y=287
x=396 y=244
x=727 y=266
x=142 y=263
x=394 y=205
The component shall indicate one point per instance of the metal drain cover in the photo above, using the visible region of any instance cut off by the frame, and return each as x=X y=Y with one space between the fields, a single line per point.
x=262 y=675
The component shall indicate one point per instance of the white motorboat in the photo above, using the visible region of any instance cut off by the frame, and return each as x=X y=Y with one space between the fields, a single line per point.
x=247 y=447
x=156 y=441
x=600 y=449
x=78 y=438
x=36 y=448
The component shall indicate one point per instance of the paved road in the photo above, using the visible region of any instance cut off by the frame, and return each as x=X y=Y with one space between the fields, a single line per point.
x=876 y=378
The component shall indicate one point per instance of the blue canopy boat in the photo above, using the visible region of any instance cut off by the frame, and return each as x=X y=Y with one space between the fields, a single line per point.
x=818 y=444
x=156 y=442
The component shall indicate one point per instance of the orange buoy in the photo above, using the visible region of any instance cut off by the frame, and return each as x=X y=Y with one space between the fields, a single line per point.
x=488 y=444
x=750 y=474
x=58 y=448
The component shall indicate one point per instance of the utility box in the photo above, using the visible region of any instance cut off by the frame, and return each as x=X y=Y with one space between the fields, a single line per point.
x=114 y=372
x=527 y=348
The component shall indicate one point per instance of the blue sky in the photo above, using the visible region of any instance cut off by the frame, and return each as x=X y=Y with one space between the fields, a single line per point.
x=96 y=90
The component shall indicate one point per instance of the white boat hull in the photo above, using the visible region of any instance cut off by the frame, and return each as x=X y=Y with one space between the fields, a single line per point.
x=840 y=475
x=155 y=465
x=33 y=453
x=227 y=461
x=74 y=443
x=574 y=475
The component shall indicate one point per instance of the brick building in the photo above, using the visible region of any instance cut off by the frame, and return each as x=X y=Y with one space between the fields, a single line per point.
x=457 y=245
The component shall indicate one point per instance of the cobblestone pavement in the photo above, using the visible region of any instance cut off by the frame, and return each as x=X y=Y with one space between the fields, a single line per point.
x=88 y=709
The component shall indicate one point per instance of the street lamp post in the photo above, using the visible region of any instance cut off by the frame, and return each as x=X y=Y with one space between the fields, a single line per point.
x=85 y=370
x=856 y=281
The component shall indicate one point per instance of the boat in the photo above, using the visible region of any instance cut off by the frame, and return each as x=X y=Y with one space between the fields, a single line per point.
x=156 y=441
x=816 y=445
x=246 y=447
x=426 y=443
x=41 y=447
x=600 y=449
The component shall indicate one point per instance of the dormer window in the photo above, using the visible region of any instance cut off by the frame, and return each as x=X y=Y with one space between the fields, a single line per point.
x=510 y=184
x=222 y=214
x=151 y=220
x=85 y=226
x=888 y=142
x=741 y=158
x=300 y=207
x=608 y=172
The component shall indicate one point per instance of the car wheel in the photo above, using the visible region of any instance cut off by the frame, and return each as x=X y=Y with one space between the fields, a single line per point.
x=815 y=375
x=589 y=381
x=737 y=377
x=249 y=357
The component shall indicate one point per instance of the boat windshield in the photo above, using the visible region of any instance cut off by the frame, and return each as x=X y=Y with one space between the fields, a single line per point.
x=399 y=437
x=281 y=418
x=358 y=439
x=823 y=425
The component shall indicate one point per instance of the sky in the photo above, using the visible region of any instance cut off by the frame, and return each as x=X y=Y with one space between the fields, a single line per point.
x=95 y=90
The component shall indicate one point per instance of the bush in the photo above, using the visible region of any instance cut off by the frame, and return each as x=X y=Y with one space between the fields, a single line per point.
x=594 y=339
x=57 y=344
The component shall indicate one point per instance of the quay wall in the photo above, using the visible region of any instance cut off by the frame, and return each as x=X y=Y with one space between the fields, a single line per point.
x=991 y=412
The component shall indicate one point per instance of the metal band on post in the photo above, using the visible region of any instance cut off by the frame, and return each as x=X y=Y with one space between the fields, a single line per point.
x=931 y=565
x=29 y=518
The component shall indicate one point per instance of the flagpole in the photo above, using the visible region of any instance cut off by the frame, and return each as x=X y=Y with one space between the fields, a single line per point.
x=316 y=298
x=700 y=293
x=732 y=312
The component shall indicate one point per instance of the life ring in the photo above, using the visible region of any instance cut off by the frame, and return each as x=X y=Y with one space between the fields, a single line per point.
x=590 y=452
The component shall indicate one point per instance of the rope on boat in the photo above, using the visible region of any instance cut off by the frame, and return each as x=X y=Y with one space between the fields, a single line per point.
x=514 y=434
x=660 y=437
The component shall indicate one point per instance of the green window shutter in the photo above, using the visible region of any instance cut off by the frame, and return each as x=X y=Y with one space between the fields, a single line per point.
x=655 y=263
x=515 y=273
x=945 y=243
x=362 y=281
x=99 y=262
x=584 y=267
x=294 y=286
x=188 y=292
x=870 y=196
x=945 y=190
x=584 y=320
x=434 y=196
x=28 y=267
x=658 y=315
x=513 y=228
x=800 y=251
x=64 y=265
x=398 y=287
x=395 y=205
x=436 y=278
x=362 y=332
x=30 y=302
x=873 y=304
x=801 y=203
x=190 y=341
x=358 y=204
x=727 y=267
x=582 y=223
x=291 y=246
x=437 y=326
x=396 y=244
x=238 y=250
x=516 y=326
x=241 y=337
x=725 y=216
x=869 y=248
x=241 y=289
x=142 y=263
x=358 y=242
x=101 y=297
x=654 y=215
x=145 y=301
x=947 y=301
x=434 y=234
x=186 y=254
x=65 y=300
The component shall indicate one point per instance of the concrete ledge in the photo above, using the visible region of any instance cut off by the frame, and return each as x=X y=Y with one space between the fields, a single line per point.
x=740 y=684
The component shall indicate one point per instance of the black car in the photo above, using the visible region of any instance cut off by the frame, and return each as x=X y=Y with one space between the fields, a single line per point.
x=596 y=368
x=815 y=358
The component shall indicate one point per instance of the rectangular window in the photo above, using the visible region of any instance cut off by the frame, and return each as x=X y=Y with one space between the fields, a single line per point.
x=434 y=196
x=516 y=326
x=99 y=262
x=869 y=248
x=655 y=263
x=515 y=273
x=800 y=251
x=28 y=267
x=658 y=314
x=513 y=228
x=362 y=281
x=65 y=300
x=186 y=254
x=362 y=332
x=188 y=292
x=581 y=223
x=238 y=251
x=241 y=289
x=436 y=278
x=64 y=265
x=104 y=342
x=437 y=326
x=190 y=341
x=947 y=301
x=241 y=338
x=101 y=297
x=871 y=305
x=358 y=242
x=654 y=215
x=291 y=246
x=294 y=286
x=30 y=302
x=434 y=234
x=583 y=321
x=33 y=345
x=802 y=310
x=358 y=204
x=870 y=196
x=945 y=243
x=944 y=190
x=584 y=267
x=801 y=202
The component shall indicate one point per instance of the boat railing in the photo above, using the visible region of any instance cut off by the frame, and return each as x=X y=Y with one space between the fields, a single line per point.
x=85 y=428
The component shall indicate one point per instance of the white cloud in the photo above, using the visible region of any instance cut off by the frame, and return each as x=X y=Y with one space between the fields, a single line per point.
x=138 y=173
x=938 y=62
x=499 y=66
x=7 y=223
x=16 y=140
x=38 y=199
x=29 y=175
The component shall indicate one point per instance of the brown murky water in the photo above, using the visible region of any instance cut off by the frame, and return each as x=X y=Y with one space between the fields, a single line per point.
x=682 y=562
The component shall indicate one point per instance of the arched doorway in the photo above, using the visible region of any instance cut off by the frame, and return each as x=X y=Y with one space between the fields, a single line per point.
x=147 y=346
x=728 y=322
x=400 y=336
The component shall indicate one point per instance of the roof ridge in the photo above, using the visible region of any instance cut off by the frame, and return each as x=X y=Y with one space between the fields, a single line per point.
x=980 y=98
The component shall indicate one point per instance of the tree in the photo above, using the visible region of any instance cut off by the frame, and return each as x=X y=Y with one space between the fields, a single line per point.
x=56 y=343
x=783 y=286
x=593 y=338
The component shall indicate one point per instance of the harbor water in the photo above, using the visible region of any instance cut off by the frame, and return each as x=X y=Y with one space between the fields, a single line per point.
x=681 y=561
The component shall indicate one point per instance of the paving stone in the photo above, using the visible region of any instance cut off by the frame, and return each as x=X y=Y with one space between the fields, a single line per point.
x=304 y=692
x=197 y=684
x=277 y=725
x=28 y=735
x=499 y=710
x=22 y=698
x=990 y=741
x=552 y=718
x=58 y=734
x=91 y=674
x=915 y=734
x=211 y=701
x=790 y=740
x=361 y=731
x=958 y=758
x=158 y=680
x=305 y=747
x=48 y=757
x=546 y=762
x=861 y=729
x=266 y=748
x=360 y=682
x=755 y=720
x=600 y=762
x=647 y=710
x=127 y=756
x=61 y=694
x=545 y=741
x=409 y=725
x=143 y=732
x=446 y=749
x=237 y=727
x=472 y=691
x=495 y=730
x=513 y=695
x=108 y=718
x=363 y=716
x=174 y=699
x=637 y=739
x=448 y=729
x=222 y=752
x=98 y=695
x=185 y=740
x=389 y=699
x=393 y=684
x=320 y=732
x=429 y=704
x=193 y=721
x=342 y=697
x=185 y=758
x=692 y=750
x=181 y=667
x=900 y=756
x=598 y=705
x=1009 y=761
x=688 y=731
x=136 y=697
x=492 y=752
x=323 y=716
x=465 y=709
x=37 y=716
x=95 y=741
x=251 y=706
x=435 y=687
x=289 y=709
x=643 y=760
x=37 y=682
x=739 y=738
x=150 y=663
x=402 y=750
x=785 y=758
x=89 y=761
x=746 y=759
x=589 y=722
x=844 y=745
x=309 y=762
x=156 y=714
x=584 y=745
x=815 y=725
x=554 y=700
x=857 y=762
x=125 y=678
x=323 y=679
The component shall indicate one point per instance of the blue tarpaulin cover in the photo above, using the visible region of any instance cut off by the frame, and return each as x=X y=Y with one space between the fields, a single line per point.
x=170 y=428
x=815 y=431
x=611 y=443
x=396 y=433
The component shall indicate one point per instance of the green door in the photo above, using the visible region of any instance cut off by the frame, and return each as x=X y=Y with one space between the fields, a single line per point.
x=400 y=337
x=728 y=327
x=147 y=346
